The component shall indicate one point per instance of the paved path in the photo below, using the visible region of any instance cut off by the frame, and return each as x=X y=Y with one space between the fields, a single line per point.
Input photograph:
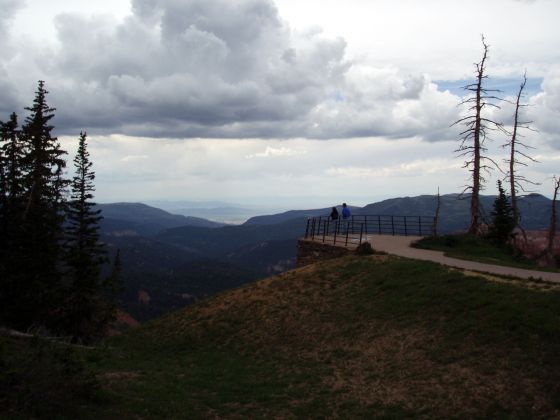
x=400 y=246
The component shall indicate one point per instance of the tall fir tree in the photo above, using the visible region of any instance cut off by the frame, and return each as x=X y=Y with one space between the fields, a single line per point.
x=42 y=218
x=12 y=151
x=3 y=186
x=3 y=218
x=87 y=307
x=86 y=252
x=11 y=210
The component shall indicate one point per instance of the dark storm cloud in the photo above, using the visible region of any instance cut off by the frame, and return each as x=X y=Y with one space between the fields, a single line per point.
x=194 y=68
x=9 y=99
x=7 y=12
x=222 y=68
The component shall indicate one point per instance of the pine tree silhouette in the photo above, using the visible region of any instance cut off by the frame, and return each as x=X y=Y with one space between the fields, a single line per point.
x=503 y=220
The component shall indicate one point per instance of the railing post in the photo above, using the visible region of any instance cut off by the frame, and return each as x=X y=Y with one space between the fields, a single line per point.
x=346 y=243
x=324 y=229
x=405 y=229
x=365 y=222
x=379 y=224
x=313 y=229
x=336 y=230
x=393 y=224
x=420 y=225
x=361 y=233
x=307 y=228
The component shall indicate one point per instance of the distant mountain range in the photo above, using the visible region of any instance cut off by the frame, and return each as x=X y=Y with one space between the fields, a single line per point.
x=142 y=219
x=173 y=260
x=455 y=210
x=213 y=210
x=294 y=214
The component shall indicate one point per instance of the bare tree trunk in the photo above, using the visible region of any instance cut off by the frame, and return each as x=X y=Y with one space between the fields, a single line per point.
x=512 y=193
x=472 y=139
x=436 y=217
x=516 y=156
x=475 y=197
x=552 y=227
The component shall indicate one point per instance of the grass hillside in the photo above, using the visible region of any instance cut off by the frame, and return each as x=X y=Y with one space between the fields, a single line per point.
x=374 y=336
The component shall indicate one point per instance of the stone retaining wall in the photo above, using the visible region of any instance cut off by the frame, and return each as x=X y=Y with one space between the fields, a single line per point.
x=310 y=252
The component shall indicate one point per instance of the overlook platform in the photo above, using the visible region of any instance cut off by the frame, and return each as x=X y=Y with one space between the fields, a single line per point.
x=396 y=239
x=354 y=230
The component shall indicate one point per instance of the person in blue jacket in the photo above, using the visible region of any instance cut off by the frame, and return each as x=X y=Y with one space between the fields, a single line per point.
x=345 y=211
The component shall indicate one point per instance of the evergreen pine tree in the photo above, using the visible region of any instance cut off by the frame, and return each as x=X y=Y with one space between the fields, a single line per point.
x=12 y=154
x=3 y=192
x=87 y=308
x=86 y=252
x=503 y=220
x=11 y=210
x=3 y=219
x=42 y=218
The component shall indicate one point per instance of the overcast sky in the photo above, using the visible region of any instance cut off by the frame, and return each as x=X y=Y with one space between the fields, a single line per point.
x=292 y=103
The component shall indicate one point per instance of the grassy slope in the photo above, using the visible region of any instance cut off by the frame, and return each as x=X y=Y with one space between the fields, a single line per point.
x=353 y=337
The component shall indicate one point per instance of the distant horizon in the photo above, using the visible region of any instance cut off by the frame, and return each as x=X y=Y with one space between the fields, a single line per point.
x=234 y=213
x=266 y=204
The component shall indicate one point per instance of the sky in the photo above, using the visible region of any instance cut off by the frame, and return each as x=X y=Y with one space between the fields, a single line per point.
x=286 y=103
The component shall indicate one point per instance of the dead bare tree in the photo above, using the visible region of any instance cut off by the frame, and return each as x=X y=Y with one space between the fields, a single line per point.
x=518 y=182
x=436 y=217
x=552 y=227
x=476 y=133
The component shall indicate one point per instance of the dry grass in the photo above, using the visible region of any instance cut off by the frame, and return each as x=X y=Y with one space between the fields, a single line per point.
x=374 y=334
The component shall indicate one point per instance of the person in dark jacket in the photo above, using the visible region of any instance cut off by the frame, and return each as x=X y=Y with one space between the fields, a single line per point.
x=334 y=214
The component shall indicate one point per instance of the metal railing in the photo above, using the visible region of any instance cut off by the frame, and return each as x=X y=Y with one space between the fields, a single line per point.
x=355 y=228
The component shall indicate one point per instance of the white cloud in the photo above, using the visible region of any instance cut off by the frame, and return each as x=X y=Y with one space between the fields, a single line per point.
x=544 y=108
x=277 y=152
x=414 y=168
x=133 y=158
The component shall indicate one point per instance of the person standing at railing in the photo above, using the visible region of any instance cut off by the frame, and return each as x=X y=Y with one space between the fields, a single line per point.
x=334 y=214
x=345 y=211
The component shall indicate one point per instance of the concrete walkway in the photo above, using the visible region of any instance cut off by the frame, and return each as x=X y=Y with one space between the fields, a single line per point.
x=400 y=246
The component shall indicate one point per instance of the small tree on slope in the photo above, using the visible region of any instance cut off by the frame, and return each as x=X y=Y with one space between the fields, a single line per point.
x=503 y=220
